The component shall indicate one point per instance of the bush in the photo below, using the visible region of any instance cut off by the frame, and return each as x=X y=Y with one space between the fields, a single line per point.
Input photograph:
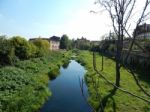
x=7 y=54
x=65 y=63
x=53 y=73
x=23 y=49
x=42 y=45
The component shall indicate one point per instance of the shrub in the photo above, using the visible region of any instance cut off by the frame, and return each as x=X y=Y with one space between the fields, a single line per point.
x=7 y=54
x=22 y=47
x=42 y=45
x=53 y=73
x=65 y=63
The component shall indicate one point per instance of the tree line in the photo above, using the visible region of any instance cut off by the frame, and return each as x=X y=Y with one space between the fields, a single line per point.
x=82 y=44
x=18 y=48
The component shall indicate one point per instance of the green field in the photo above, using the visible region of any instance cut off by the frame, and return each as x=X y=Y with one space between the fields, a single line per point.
x=101 y=93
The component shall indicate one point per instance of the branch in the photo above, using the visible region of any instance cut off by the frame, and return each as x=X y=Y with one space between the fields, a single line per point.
x=134 y=42
x=130 y=12
x=109 y=82
x=137 y=82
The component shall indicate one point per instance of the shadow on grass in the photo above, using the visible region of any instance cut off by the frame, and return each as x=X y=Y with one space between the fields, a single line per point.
x=142 y=73
x=144 y=76
x=107 y=99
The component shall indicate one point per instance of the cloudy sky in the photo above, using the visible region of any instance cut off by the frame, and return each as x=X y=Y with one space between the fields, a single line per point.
x=33 y=18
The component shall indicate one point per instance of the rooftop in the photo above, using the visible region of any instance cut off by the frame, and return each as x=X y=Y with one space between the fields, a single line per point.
x=55 y=38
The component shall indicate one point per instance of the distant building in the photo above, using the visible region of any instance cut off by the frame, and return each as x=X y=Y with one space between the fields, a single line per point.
x=54 y=42
x=142 y=31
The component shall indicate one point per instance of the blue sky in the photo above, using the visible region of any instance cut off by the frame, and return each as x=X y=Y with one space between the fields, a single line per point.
x=33 y=18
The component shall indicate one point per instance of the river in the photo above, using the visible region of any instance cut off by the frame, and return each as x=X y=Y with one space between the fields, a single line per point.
x=66 y=92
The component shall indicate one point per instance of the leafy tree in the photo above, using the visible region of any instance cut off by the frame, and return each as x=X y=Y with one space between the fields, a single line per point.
x=7 y=54
x=22 y=47
x=33 y=50
x=64 y=42
x=83 y=44
x=43 y=46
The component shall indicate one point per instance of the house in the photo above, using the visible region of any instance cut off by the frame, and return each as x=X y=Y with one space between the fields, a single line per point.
x=54 y=42
x=142 y=31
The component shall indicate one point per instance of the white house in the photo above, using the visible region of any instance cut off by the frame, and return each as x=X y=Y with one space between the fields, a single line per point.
x=54 y=43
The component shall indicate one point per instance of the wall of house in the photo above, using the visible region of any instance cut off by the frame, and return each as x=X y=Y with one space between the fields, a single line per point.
x=54 y=45
x=143 y=36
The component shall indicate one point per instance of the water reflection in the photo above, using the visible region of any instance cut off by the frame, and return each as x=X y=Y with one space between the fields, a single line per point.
x=66 y=93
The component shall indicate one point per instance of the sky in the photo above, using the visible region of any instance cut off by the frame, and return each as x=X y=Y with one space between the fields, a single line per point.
x=45 y=18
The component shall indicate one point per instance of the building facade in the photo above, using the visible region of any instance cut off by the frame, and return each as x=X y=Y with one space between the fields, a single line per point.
x=54 y=43
x=142 y=31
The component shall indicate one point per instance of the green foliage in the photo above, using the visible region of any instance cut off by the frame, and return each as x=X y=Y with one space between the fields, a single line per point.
x=23 y=88
x=7 y=54
x=43 y=46
x=64 y=42
x=65 y=63
x=54 y=72
x=23 y=49
x=15 y=48
x=83 y=44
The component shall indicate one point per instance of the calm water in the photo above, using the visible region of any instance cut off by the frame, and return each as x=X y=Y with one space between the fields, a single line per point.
x=66 y=93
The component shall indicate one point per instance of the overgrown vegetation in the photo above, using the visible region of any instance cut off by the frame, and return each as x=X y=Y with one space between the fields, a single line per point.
x=103 y=94
x=24 y=72
x=18 y=48
x=23 y=87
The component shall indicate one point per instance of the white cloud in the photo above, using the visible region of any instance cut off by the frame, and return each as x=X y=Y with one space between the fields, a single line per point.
x=89 y=25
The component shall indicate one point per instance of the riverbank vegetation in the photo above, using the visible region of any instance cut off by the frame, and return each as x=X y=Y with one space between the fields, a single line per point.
x=24 y=86
x=103 y=95
x=24 y=72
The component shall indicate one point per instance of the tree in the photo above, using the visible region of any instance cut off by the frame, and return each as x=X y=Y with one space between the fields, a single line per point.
x=43 y=46
x=83 y=44
x=7 y=54
x=120 y=12
x=21 y=46
x=64 y=42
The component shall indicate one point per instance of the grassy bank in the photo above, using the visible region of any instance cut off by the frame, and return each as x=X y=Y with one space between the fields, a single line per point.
x=24 y=86
x=99 y=90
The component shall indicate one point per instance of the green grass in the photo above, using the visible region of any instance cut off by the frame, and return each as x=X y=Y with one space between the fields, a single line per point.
x=113 y=101
x=24 y=86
